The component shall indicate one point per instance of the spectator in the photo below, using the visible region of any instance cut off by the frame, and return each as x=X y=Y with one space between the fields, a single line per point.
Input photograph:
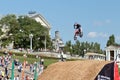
x=0 y=61
x=5 y=78
x=31 y=67
x=17 y=78
x=26 y=78
x=5 y=52
x=6 y=70
x=42 y=61
x=3 y=74
x=20 y=68
x=41 y=69
x=0 y=75
x=10 y=53
x=61 y=57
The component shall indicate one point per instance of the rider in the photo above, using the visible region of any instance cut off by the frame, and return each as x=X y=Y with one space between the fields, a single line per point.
x=78 y=28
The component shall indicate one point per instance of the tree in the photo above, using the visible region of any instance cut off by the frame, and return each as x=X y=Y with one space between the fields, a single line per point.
x=111 y=40
x=6 y=23
x=96 y=47
x=79 y=48
x=19 y=29
x=68 y=47
x=76 y=48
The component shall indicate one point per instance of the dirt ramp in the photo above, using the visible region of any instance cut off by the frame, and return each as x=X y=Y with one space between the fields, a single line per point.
x=73 y=70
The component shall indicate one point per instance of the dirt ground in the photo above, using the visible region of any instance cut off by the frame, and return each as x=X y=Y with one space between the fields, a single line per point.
x=73 y=70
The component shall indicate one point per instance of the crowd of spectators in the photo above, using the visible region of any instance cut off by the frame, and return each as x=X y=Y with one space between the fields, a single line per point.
x=6 y=65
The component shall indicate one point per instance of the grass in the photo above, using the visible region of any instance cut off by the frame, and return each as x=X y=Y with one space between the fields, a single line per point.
x=47 y=62
x=50 y=61
x=31 y=58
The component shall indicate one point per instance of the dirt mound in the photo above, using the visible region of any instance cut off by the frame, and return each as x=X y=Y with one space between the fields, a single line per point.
x=73 y=70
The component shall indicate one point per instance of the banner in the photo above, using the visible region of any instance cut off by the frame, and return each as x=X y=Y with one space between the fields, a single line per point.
x=12 y=70
x=24 y=64
x=35 y=73
x=107 y=72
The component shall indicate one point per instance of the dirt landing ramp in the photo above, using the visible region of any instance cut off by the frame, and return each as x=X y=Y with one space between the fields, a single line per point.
x=73 y=70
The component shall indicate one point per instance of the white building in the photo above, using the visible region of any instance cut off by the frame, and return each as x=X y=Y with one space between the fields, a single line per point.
x=39 y=18
x=94 y=56
x=113 y=53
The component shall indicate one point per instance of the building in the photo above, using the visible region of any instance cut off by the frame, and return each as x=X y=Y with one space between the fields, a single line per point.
x=94 y=56
x=39 y=18
x=112 y=53
x=58 y=42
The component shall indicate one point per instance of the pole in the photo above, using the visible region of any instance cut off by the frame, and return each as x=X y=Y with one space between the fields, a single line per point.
x=45 y=42
x=30 y=36
x=30 y=44
x=23 y=73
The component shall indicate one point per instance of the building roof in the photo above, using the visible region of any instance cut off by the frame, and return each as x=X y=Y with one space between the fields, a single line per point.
x=39 y=18
x=112 y=47
x=89 y=53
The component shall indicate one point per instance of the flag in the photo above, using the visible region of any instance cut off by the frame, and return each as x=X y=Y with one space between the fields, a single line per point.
x=35 y=73
x=116 y=71
x=23 y=70
x=12 y=70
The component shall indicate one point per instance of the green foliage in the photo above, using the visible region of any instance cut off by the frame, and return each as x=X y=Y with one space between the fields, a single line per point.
x=18 y=30
x=68 y=46
x=111 y=40
x=50 y=61
x=80 y=48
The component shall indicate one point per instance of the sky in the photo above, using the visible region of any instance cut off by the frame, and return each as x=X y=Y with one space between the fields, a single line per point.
x=99 y=18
